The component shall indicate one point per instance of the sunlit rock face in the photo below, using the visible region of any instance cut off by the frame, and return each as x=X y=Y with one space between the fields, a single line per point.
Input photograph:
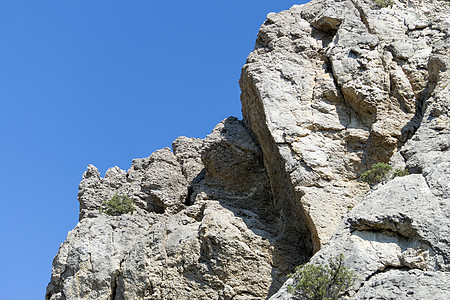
x=204 y=227
x=330 y=88
x=333 y=87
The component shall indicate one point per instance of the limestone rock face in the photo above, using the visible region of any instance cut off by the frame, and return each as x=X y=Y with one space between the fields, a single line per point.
x=156 y=183
x=396 y=237
x=396 y=241
x=330 y=88
x=204 y=228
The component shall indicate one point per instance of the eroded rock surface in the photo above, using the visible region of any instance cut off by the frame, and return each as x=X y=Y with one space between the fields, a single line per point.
x=396 y=238
x=156 y=183
x=396 y=241
x=204 y=228
x=331 y=87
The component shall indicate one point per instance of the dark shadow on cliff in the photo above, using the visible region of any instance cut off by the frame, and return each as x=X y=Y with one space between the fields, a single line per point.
x=235 y=176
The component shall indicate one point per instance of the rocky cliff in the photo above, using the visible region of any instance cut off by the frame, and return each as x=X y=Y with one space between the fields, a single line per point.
x=331 y=88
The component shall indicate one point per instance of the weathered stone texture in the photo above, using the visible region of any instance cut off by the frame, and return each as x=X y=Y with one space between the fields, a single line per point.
x=205 y=227
x=388 y=71
x=393 y=239
x=156 y=183
x=330 y=88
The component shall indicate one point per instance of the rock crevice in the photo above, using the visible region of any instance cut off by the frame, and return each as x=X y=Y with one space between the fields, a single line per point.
x=330 y=88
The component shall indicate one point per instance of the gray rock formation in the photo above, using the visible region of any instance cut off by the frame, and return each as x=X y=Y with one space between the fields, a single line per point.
x=156 y=183
x=204 y=228
x=396 y=241
x=331 y=88
x=396 y=238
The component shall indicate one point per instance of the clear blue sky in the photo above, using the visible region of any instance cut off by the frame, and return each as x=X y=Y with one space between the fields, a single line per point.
x=103 y=82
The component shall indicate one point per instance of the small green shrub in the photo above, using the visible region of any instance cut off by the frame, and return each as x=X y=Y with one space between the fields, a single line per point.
x=383 y=3
x=376 y=174
x=400 y=172
x=322 y=282
x=118 y=205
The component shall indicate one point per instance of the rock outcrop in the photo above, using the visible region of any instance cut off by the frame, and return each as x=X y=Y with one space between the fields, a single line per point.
x=204 y=227
x=331 y=88
x=396 y=237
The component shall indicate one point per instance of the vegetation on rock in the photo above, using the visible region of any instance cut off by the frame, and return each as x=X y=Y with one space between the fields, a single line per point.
x=322 y=282
x=118 y=205
x=400 y=172
x=377 y=173
x=383 y=3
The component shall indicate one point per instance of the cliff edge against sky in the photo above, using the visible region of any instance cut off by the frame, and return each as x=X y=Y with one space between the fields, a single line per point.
x=330 y=88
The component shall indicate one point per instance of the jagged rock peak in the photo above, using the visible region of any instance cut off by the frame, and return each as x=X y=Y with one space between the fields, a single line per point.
x=333 y=87
x=330 y=88
x=204 y=227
